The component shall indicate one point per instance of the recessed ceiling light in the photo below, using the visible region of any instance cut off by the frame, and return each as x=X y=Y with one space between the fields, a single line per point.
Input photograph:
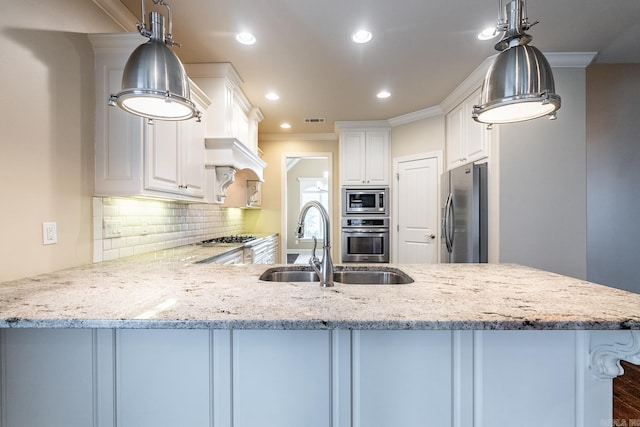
x=362 y=36
x=272 y=96
x=383 y=94
x=246 y=38
x=488 y=33
x=285 y=126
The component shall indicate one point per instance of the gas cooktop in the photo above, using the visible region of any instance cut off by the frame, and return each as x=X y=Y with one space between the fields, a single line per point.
x=229 y=239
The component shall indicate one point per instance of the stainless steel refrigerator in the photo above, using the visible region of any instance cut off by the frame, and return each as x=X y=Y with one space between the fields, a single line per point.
x=464 y=215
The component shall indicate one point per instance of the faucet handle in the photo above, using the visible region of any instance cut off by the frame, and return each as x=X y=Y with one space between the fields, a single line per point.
x=315 y=245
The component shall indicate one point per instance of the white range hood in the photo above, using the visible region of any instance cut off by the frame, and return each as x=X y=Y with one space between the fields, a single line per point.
x=225 y=156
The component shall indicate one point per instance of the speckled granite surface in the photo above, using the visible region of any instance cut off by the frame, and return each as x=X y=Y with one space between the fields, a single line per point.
x=168 y=290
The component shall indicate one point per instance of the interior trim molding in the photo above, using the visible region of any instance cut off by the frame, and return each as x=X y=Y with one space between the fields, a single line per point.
x=282 y=137
x=119 y=13
x=425 y=113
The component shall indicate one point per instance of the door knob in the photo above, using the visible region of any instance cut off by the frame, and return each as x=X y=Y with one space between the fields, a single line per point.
x=432 y=236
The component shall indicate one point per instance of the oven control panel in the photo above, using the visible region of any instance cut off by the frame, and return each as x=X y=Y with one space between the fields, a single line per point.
x=365 y=222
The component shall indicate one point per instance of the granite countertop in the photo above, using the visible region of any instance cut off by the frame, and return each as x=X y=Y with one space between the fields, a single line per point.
x=167 y=289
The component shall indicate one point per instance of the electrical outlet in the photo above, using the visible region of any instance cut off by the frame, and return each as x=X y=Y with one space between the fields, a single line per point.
x=49 y=233
x=112 y=228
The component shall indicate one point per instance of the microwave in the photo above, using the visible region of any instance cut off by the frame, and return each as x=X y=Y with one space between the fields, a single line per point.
x=363 y=201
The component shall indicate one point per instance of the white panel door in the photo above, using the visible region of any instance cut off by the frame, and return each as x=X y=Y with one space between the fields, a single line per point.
x=163 y=378
x=418 y=211
x=402 y=378
x=281 y=378
x=47 y=378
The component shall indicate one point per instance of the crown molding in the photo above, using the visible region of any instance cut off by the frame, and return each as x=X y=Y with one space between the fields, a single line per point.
x=425 y=113
x=327 y=136
x=468 y=85
x=570 y=59
x=119 y=13
x=361 y=124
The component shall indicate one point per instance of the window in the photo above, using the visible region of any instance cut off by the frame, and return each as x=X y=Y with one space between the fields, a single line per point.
x=314 y=189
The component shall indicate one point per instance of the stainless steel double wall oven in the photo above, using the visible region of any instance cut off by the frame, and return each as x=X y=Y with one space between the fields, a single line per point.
x=365 y=224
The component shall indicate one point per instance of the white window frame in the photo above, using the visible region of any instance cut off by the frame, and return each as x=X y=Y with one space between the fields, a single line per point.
x=305 y=184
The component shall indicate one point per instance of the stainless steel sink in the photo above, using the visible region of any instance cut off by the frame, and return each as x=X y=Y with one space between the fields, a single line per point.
x=386 y=276
x=342 y=274
x=284 y=274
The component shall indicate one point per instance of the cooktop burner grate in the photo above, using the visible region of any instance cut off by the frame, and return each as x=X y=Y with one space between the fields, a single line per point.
x=230 y=239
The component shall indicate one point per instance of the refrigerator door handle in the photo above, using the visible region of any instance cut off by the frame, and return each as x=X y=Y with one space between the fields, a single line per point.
x=447 y=229
x=450 y=224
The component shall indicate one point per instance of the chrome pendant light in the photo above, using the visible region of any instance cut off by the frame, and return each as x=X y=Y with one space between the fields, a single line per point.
x=519 y=84
x=154 y=82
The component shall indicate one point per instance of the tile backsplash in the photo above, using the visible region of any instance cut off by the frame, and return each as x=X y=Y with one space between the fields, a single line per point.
x=123 y=227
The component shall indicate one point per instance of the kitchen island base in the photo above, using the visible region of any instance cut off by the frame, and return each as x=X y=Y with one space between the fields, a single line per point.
x=333 y=377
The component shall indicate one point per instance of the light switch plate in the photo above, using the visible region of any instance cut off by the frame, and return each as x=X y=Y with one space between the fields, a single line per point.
x=112 y=228
x=49 y=233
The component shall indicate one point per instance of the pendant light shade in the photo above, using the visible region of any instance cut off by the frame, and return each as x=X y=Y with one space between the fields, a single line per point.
x=519 y=84
x=154 y=82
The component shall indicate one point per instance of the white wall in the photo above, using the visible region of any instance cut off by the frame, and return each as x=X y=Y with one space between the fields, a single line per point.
x=422 y=136
x=543 y=184
x=613 y=175
x=46 y=118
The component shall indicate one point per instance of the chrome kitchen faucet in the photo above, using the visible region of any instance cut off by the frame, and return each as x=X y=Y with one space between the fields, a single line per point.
x=324 y=268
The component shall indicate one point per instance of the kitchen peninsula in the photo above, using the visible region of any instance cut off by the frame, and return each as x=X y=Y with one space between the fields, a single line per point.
x=160 y=339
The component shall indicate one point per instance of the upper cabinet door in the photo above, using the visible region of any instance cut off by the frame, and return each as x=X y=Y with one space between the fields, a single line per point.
x=377 y=158
x=477 y=133
x=161 y=156
x=455 y=137
x=364 y=158
x=467 y=140
x=174 y=157
x=352 y=158
x=191 y=136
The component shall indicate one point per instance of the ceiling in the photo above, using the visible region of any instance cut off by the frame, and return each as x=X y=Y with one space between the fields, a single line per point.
x=420 y=52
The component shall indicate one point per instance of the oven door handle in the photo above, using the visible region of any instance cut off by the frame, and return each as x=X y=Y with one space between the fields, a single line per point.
x=365 y=230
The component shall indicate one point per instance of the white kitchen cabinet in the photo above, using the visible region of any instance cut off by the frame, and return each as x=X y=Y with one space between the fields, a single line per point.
x=466 y=140
x=281 y=378
x=364 y=158
x=132 y=157
x=174 y=157
x=232 y=116
x=233 y=257
x=262 y=251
